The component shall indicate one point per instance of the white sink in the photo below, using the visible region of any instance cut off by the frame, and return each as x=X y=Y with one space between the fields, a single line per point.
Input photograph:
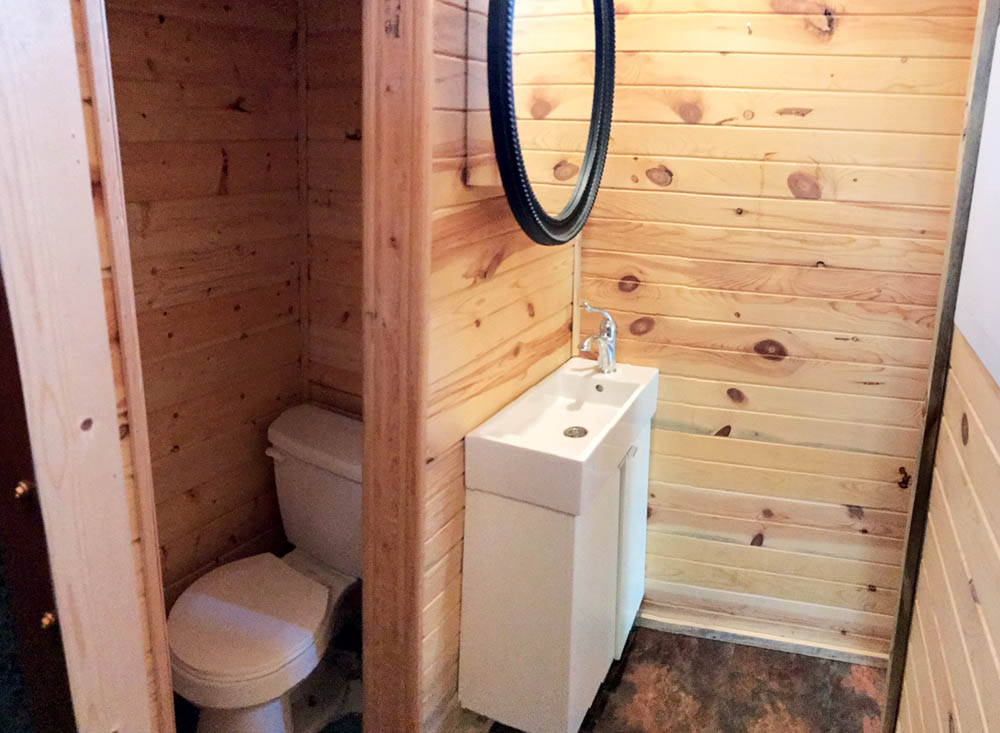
x=523 y=452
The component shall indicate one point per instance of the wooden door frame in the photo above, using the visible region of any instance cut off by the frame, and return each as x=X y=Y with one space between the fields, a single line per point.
x=98 y=54
x=49 y=251
x=396 y=159
x=989 y=17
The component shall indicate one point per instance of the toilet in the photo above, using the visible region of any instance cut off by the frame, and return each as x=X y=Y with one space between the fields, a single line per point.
x=244 y=635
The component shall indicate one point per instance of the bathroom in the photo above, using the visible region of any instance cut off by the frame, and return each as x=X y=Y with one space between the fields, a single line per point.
x=301 y=251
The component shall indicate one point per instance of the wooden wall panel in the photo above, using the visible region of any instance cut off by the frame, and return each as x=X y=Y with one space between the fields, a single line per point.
x=333 y=162
x=770 y=234
x=207 y=97
x=500 y=315
x=952 y=673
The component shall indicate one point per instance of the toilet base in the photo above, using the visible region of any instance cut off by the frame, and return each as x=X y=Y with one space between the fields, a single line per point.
x=271 y=717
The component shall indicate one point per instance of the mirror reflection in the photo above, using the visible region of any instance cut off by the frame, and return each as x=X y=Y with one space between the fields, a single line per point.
x=553 y=74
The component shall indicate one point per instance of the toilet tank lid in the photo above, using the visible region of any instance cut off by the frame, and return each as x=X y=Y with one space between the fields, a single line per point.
x=323 y=438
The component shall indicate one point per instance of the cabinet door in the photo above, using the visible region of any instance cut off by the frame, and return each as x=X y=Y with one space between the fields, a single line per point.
x=634 y=498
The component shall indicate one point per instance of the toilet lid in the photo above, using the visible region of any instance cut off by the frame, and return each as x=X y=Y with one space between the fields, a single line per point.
x=246 y=619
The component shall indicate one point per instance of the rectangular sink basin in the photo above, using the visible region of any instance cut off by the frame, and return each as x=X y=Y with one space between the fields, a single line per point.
x=556 y=444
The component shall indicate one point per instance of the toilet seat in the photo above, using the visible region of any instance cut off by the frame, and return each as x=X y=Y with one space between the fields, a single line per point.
x=247 y=632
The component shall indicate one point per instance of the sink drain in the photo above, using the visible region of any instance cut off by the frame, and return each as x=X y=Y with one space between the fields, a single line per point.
x=575 y=432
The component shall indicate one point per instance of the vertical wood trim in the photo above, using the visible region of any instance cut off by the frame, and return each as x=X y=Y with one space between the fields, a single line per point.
x=305 y=274
x=398 y=75
x=50 y=259
x=112 y=183
x=986 y=43
x=577 y=267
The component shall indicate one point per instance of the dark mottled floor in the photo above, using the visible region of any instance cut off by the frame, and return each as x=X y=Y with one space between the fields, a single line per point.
x=13 y=715
x=681 y=684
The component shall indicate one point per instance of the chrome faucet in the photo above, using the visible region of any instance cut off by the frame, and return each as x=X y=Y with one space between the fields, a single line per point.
x=605 y=341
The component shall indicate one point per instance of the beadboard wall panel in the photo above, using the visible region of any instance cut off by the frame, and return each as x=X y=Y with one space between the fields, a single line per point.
x=500 y=320
x=333 y=160
x=770 y=234
x=207 y=96
x=952 y=674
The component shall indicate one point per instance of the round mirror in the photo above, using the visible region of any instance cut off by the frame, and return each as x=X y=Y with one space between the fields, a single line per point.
x=551 y=77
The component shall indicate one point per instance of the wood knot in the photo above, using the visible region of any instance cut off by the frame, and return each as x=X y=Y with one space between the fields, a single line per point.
x=237 y=106
x=564 y=170
x=540 y=109
x=804 y=186
x=767 y=513
x=641 y=326
x=736 y=395
x=724 y=432
x=758 y=540
x=822 y=28
x=965 y=428
x=660 y=175
x=628 y=284
x=771 y=350
x=690 y=112
x=855 y=512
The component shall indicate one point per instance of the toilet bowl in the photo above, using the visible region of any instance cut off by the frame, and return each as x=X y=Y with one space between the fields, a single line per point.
x=244 y=635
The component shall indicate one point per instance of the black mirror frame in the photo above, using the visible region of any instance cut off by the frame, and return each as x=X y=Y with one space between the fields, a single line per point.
x=534 y=220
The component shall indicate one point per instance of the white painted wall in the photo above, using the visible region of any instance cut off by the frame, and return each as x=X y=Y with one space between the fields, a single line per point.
x=978 y=314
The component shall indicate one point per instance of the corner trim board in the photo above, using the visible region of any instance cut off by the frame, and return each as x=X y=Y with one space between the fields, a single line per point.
x=942 y=356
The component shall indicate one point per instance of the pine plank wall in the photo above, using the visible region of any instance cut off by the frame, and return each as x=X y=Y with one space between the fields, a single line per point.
x=217 y=128
x=952 y=673
x=500 y=319
x=333 y=166
x=770 y=234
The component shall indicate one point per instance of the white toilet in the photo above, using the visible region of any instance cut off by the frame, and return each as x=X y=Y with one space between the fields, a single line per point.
x=244 y=635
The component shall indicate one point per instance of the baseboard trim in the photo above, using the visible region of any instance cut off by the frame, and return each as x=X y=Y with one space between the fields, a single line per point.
x=714 y=632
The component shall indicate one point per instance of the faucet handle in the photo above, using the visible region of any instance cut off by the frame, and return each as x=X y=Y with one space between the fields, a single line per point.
x=608 y=326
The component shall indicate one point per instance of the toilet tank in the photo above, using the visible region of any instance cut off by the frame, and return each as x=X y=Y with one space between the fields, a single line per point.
x=317 y=467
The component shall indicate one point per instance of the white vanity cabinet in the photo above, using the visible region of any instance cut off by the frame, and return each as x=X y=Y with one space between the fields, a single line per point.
x=538 y=609
x=632 y=516
x=554 y=555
